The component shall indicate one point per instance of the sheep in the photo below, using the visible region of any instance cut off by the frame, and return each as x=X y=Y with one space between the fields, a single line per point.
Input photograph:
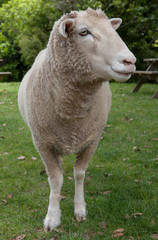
x=65 y=97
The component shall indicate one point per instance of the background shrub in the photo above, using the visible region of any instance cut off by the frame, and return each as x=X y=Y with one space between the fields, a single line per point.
x=25 y=26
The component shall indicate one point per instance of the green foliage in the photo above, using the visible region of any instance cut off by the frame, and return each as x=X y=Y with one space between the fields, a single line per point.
x=31 y=45
x=21 y=21
x=25 y=26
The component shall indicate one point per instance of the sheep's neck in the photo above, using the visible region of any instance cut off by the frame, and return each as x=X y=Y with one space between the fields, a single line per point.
x=76 y=101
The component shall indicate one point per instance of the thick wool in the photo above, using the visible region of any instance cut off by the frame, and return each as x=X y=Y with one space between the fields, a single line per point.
x=60 y=98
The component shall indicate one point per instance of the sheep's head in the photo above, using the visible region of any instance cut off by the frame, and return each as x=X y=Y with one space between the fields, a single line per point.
x=96 y=36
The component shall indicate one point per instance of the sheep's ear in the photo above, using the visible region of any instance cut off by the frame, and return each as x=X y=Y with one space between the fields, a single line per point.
x=65 y=27
x=115 y=22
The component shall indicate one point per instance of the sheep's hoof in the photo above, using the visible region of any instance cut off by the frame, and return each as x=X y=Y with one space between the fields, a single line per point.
x=80 y=216
x=50 y=224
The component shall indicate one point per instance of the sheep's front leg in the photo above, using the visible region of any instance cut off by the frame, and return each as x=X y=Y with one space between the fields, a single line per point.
x=53 y=216
x=55 y=179
x=79 y=175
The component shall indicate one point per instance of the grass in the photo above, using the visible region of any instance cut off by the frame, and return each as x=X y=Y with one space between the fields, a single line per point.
x=121 y=186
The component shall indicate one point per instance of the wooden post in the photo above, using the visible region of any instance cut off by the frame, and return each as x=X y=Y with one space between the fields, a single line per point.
x=155 y=94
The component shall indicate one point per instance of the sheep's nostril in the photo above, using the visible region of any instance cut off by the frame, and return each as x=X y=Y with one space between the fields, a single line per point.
x=128 y=62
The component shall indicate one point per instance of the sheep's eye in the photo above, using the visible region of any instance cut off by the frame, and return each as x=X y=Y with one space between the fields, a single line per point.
x=84 y=32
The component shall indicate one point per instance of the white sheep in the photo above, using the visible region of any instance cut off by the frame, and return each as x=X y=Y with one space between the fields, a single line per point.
x=65 y=97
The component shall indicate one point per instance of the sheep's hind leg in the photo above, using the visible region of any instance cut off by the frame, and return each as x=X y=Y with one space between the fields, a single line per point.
x=79 y=175
x=55 y=179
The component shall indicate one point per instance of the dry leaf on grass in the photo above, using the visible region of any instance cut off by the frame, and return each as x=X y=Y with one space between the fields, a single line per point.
x=21 y=158
x=69 y=178
x=104 y=193
x=9 y=196
x=137 y=214
x=100 y=166
x=127 y=216
x=102 y=225
x=118 y=232
x=154 y=236
x=20 y=237
x=4 y=201
x=136 y=149
x=33 y=158
x=88 y=178
x=4 y=153
x=154 y=139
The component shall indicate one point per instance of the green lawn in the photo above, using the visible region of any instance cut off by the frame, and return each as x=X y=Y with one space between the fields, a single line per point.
x=121 y=186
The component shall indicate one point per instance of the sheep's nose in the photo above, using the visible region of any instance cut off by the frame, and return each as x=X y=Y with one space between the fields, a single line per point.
x=129 y=60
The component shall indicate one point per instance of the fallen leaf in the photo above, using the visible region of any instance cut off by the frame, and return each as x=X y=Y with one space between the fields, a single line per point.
x=20 y=237
x=4 y=153
x=88 y=178
x=128 y=119
x=99 y=166
x=9 y=196
x=102 y=225
x=21 y=158
x=105 y=132
x=21 y=128
x=154 y=139
x=4 y=201
x=154 y=236
x=104 y=193
x=1 y=102
x=118 y=232
x=127 y=216
x=33 y=158
x=4 y=125
x=153 y=222
x=39 y=230
x=136 y=149
x=148 y=146
x=86 y=236
x=137 y=214
x=69 y=178
x=93 y=234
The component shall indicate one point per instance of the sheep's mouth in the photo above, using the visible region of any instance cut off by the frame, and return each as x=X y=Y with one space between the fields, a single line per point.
x=122 y=73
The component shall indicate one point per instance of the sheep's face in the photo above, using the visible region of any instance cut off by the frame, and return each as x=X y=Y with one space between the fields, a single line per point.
x=108 y=55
